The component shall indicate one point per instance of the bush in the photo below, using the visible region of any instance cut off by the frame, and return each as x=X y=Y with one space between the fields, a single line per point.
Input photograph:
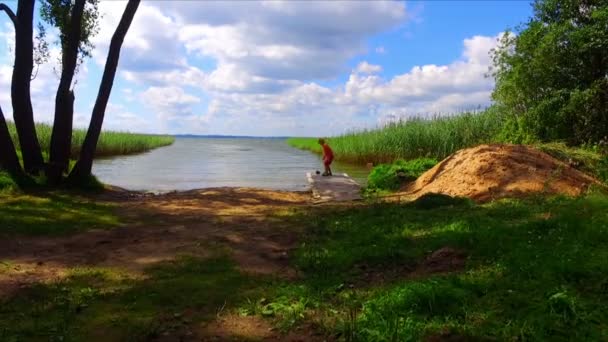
x=6 y=182
x=551 y=75
x=392 y=176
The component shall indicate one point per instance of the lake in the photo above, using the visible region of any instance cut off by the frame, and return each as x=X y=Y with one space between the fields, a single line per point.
x=194 y=162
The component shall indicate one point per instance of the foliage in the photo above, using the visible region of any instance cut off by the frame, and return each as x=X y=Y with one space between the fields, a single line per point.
x=57 y=13
x=110 y=143
x=6 y=182
x=589 y=159
x=436 y=137
x=392 y=176
x=551 y=76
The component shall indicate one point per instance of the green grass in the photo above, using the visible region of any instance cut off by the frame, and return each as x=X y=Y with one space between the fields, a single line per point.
x=109 y=144
x=52 y=214
x=435 y=138
x=99 y=304
x=535 y=270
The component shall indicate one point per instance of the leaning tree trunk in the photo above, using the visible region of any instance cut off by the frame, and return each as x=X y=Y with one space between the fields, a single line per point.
x=83 y=167
x=23 y=113
x=61 y=138
x=8 y=156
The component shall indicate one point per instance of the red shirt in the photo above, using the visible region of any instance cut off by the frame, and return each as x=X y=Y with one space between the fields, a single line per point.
x=327 y=152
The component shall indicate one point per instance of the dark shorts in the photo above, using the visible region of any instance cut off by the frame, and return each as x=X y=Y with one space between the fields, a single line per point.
x=327 y=161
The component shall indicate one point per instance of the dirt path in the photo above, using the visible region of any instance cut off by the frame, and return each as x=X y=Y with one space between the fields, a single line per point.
x=245 y=222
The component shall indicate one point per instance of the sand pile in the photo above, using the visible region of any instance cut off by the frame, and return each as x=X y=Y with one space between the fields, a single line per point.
x=489 y=172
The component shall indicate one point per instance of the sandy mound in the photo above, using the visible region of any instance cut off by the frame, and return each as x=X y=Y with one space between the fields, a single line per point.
x=489 y=172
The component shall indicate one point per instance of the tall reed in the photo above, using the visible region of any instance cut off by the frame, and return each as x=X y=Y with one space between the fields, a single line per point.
x=435 y=137
x=110 y=143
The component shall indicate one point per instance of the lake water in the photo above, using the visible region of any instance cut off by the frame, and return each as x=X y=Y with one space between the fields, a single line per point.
x=192 y=163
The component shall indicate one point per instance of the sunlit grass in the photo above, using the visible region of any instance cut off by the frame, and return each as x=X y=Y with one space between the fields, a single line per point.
x=51 y=214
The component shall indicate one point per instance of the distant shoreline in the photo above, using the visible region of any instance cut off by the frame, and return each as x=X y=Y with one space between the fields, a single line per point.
x=218 y=136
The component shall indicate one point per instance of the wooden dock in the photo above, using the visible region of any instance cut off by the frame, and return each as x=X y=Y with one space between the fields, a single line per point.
x=334 y=188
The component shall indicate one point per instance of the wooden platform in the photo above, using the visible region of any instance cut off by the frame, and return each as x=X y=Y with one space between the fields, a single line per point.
x=334 y=188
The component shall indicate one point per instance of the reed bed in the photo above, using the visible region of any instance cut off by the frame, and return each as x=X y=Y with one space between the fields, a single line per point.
x=435 y=137
x=109 y=144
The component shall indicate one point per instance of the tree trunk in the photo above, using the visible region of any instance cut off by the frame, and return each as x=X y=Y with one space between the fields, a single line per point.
x=8 y=156
x=23 y=113
x=83 y=167
x=61 y=138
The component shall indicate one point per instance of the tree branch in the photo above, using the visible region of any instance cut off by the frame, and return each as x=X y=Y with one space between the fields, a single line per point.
x=9 y=12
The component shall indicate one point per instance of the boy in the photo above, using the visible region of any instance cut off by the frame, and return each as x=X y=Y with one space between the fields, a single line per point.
x=328 y=157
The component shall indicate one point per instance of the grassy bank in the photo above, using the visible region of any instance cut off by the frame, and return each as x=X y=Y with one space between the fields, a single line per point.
x=529 y=269
x=110 y=143
x=437 y=138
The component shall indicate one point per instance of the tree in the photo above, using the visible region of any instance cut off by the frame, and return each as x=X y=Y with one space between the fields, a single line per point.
x=23 y=113
x=552 y=77
x=64 y=100
x=83 y=167
x=77 y=23
x=8 y=156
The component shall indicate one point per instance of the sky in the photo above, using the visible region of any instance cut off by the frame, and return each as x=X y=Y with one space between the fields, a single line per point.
x=280 y=68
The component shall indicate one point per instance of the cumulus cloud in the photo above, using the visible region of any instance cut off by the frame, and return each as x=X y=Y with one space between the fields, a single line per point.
x=368 y=99
x=260 y=67
x=170 y=102
x=366 y=68
x=432 y=88
x=281 y=41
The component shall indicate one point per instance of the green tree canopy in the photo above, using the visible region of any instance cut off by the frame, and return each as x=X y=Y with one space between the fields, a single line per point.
x=57 y=13
x=552 y=76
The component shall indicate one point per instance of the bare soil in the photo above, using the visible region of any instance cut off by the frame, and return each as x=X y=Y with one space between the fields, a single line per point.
x=489 y=172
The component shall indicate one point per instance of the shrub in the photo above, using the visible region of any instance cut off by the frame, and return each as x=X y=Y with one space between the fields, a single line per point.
x=392 y=176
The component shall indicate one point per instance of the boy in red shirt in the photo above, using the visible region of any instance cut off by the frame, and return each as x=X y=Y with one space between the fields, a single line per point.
x=328 y=157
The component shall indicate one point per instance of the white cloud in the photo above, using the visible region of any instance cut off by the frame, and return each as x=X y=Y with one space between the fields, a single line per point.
x=366 y=68
x=432 y=87
x=170 y=102
x=260 y=66
x=366 y=98
x=281 y=41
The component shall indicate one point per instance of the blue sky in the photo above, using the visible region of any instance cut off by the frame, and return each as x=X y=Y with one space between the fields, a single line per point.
x=283 y=68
